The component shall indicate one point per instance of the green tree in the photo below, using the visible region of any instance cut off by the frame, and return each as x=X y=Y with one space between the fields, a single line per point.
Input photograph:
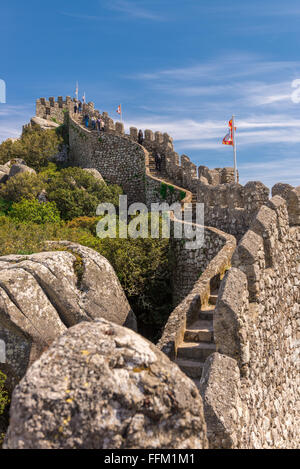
x=3 y=393
x=22 y=186
x=4 y=401
x=5 y=207
x=36 y=147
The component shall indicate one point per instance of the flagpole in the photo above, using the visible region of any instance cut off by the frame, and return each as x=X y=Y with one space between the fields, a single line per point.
x=234 y=149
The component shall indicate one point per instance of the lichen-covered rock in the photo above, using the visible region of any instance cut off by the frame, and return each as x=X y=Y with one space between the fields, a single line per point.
x=6 y=168
x=44 y=123
x=41 y=295
x=18 y=168
x=103 y=386
x=9 y=163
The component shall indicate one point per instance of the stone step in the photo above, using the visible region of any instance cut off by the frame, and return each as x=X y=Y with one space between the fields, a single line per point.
x=206 y=314
x=191 y=368
x=196 y=351
x=213 y=299
x=199 y=331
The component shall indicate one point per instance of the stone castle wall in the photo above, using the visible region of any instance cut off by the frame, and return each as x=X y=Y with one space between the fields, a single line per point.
x=231 y=207
x=256 y=327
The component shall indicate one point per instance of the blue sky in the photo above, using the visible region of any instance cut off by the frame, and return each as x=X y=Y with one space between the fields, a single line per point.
x=183 y=67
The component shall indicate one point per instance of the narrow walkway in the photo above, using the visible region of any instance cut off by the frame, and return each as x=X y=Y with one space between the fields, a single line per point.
x=198 y=342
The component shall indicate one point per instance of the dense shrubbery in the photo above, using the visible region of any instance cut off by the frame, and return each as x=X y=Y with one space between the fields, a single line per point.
x=3 y=393
x=31 y=211
x=22 y=186
x=4 y=400
x=77 y=193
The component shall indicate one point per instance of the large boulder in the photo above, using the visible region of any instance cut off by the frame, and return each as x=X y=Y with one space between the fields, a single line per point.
x=102 y=386
x=5 y=168
x=44 y=123
x=41 y=295
x=19 y=168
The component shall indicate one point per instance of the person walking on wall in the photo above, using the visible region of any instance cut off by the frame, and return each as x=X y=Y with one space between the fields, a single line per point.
x=79 y=107
x=93 y=123
x=86 y=120
x=75 y=108
x=98 y=124
x=140 y=137
x=158 y=161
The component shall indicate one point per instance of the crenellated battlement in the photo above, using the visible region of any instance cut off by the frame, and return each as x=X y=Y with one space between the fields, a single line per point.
x=55 y=109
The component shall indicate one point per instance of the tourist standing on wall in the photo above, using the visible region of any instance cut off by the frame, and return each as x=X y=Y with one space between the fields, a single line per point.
x=99 y=123
x=79 y=107
x=140 y=137
x=75 y=108
x=86 y=120
x=158 y=161
x=93 y=123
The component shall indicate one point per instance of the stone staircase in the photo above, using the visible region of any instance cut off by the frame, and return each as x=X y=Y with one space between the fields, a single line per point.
x=198 y=342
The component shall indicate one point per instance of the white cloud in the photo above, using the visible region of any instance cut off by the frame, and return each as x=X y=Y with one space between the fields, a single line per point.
x=223 y=68
x=12 y=118
x=13 y=131
x=206 y=134
x=270 y=172
x=133 y=9
x=81 y=16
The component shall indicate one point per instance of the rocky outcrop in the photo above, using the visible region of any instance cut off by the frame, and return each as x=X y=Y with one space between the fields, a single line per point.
x=12 y=168
x=19 y=168
x=43 y=294
x=6 y=168
x=43 y=123
x=103 y=386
